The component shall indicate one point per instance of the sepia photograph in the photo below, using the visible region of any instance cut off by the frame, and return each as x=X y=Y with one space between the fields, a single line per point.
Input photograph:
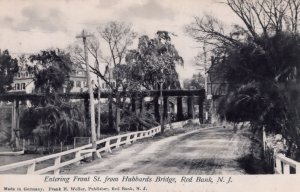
x=149 y=89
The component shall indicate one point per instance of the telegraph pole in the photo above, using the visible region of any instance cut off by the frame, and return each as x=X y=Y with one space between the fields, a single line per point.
x=83 y=35
x=205 y=70
x=205 y=79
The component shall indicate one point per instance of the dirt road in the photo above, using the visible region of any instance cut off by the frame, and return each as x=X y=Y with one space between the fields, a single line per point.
x=203 y=151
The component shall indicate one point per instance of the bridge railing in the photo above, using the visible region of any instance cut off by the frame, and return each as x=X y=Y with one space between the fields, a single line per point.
x=278 y=161
x=72 y=156
x=284 y=164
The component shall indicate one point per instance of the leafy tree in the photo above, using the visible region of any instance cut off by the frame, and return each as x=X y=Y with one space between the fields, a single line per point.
x=8 y=68
x=52 y=70
x=116 y=38
x=53 y=120
x=260 y=63
x=154 y=60
x=196 y=82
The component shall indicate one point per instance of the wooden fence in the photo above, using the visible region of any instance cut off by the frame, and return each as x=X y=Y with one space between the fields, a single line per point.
x=76 y=155
x=278 y=161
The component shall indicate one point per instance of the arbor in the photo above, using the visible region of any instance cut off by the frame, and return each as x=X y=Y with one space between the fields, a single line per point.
x=8 y=68
x=260 y=61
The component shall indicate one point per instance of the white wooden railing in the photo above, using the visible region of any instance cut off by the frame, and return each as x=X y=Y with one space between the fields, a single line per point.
x=80 y=153
x=278 y=161
x=283 y=164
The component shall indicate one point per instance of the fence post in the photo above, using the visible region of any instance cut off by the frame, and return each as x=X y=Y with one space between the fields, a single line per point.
x=278 y=165
x=128 y=140
x=298 y=168
x=77 y=155
x=135 y=137
x=286 y=169
x=24 y=143
x=31 y=168
x=56 y=163
x=107 y=146
x=264 y=139
x=118 y=142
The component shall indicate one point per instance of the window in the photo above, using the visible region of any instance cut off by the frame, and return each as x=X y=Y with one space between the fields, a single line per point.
x=23 y=86
x=26 y=74
x=84 y=83
x=18 y=86
x=78 y=83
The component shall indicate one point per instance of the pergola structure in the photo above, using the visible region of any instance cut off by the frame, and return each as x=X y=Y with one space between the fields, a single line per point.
x=191 y=95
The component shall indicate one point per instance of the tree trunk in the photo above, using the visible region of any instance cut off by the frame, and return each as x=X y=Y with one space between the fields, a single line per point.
x=200 y=103
x=110 y=114
x=118 y=118
x=133 y=104
x=133 y=110
x=156 y=108
x=99 y=111
x=190 y=105
x=166 y=109
x=179 y=109
x=141 y=105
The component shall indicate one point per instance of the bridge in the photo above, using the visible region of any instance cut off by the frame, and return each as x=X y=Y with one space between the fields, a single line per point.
x=199 y=151
x=210 y=150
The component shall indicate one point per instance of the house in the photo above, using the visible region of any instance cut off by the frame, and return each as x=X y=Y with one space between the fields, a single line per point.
x=78 y=81
x=23 y=81
x=216 y=87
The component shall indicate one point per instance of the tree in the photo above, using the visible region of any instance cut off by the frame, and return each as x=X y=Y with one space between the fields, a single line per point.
x=117 y=37
x=52 y=69
x=8 y=68
x=52 y=119
x=259 y=61
x=54 y=122
x=196 y=82
x=153 y=60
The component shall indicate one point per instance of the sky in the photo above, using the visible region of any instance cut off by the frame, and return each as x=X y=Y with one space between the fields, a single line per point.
x=33 y=25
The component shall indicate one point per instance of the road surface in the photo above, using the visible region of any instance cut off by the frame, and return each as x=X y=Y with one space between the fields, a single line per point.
x=204 y=151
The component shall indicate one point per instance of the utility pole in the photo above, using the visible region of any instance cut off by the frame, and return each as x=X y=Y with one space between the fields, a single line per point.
x=205 y=79
x=99 y=106
x=83 y=35
x=205 y=70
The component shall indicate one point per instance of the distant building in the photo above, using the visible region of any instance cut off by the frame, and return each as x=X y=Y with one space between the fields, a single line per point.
x=78 y=81
x=216 y=89
x=110 y=76
x=216 y=86
x=23 y=81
